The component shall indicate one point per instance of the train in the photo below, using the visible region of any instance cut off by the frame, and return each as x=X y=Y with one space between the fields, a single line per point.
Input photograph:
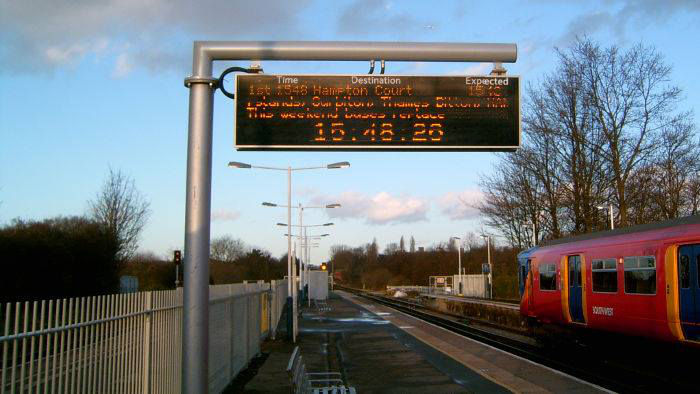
x=640 y=280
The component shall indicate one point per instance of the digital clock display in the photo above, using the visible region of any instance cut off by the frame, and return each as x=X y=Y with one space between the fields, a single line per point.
x=376 y=112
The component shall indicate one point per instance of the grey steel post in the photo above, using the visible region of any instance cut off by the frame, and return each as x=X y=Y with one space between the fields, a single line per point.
x=290 y=284
x=459 y=263
x=302 y=255
x=195 y=347
x=488 y=253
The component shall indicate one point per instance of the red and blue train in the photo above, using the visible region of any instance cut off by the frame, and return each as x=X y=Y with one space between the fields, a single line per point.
x=640 y=280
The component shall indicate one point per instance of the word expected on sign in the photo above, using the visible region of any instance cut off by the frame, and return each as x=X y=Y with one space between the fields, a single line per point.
x=287 y=112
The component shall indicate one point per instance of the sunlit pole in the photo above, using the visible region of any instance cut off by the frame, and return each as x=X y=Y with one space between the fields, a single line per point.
x=459 y=265
x=303 y=244
x=302 y=259
x=488 y=259
x=294 y=300
x=534 y=238
x=290 y=276
x=610 y=210
x=301 y=251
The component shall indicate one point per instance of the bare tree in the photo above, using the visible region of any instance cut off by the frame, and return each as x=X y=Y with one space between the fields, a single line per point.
x=603 y=128
x=631 y=100
x=122 y=209
x=227 y=249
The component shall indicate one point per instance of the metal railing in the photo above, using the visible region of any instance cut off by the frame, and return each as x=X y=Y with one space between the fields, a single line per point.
x=130 y=343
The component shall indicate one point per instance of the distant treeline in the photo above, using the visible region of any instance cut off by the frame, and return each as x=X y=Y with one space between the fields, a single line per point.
x=77 y=256
x=59 y=257
x=365 y=267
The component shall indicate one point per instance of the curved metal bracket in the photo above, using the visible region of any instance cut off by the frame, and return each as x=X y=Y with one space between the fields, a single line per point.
x=212 y=82
x=382 y=70
x=371 y=67
x=252 y=70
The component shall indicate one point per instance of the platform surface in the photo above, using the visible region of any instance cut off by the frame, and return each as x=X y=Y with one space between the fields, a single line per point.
x=379 y=350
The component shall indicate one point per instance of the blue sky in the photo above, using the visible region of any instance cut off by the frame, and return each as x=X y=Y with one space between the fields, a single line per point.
x=86 y=85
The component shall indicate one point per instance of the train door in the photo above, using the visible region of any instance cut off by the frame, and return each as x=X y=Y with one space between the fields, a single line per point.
x=575 y=290
x=689 y=289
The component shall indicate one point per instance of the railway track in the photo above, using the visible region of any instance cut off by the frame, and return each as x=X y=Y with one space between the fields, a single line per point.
x=574 y=358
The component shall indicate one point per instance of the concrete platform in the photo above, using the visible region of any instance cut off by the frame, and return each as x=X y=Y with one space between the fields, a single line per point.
x=379 y=350
x=498 y=304
x=501 y=314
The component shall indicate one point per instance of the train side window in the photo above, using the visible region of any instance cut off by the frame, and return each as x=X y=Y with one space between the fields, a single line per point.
x=548 y=275
x=604 y=276
x=640 y=275
x=685 y=272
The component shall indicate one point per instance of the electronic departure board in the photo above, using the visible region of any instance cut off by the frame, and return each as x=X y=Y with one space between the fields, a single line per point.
x=376 y=112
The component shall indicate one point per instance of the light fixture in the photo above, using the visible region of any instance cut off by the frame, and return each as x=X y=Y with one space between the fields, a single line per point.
x=236 y=164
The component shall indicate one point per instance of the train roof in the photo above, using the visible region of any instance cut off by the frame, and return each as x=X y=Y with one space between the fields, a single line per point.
x=688 y=220
x=527 y=252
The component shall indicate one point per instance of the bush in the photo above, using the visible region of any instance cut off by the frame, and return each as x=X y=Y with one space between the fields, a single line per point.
x=59 y=257
x=152 y=272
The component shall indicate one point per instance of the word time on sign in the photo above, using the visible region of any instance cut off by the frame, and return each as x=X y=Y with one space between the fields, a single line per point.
x=365 y=112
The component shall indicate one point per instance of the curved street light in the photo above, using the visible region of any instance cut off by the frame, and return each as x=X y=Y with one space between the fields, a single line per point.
x=291 y=294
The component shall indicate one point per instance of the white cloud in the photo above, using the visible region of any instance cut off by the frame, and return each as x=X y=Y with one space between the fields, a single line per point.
x=42 y=35
x=461 y=205
x=367 y=17
x=123 y=66
x=224 y=215
x=476 y=69
x=382 y=208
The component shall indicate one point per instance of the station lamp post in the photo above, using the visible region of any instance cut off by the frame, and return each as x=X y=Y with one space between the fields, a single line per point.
x=342 y=164
x=307 y=260
x=459 y=264
x=531 y=226
x=291 y=298
x=301 y=219
x=488 y=259
x=610 y=210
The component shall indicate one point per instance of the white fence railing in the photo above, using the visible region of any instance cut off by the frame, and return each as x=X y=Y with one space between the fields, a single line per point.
x=130 y=343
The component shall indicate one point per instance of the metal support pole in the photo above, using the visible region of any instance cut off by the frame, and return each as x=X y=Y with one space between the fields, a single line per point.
x=612 y=223
x=290 y=278
x=488 y=253
x=195 y=345
x=308 y=261
x=307 y=249
x=302 y=261
x=459 y=259
x=294 y=299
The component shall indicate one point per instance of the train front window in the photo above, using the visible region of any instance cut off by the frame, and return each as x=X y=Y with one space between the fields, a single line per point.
x=640 y=275
x=604 y=276
x=548 y=273
x=684 y=271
